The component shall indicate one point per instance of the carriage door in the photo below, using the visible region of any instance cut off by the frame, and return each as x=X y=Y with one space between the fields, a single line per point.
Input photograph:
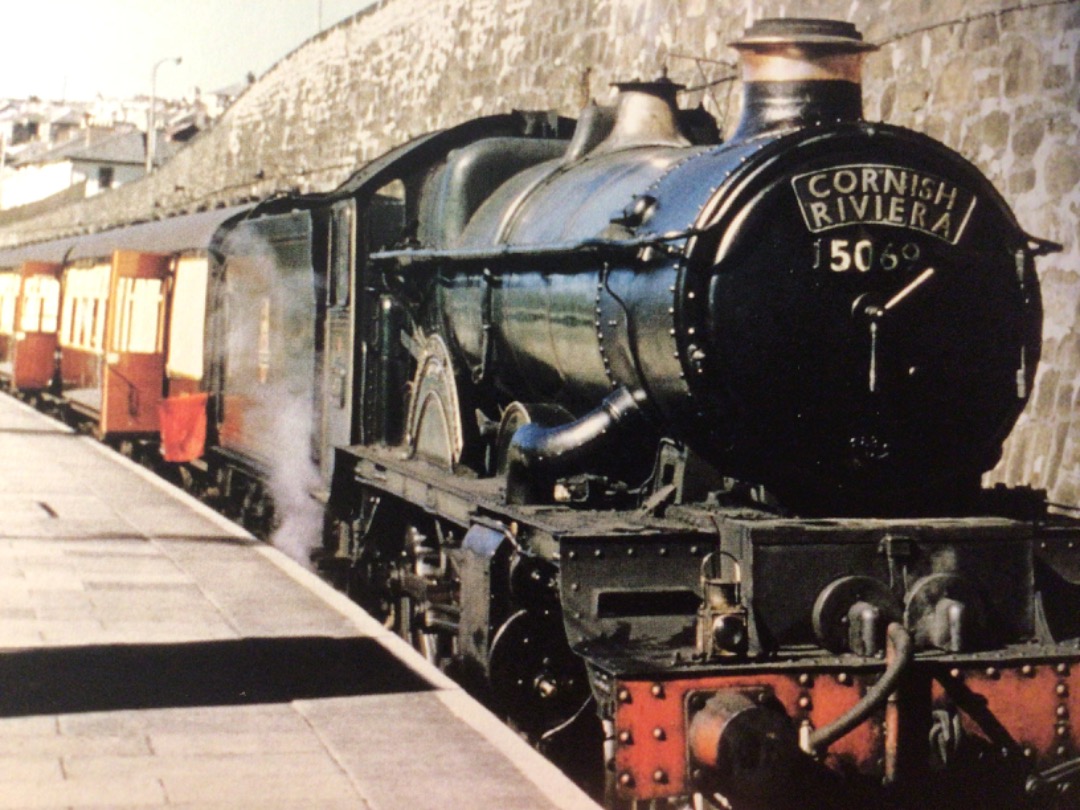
x=9 y=296
x=338 y=357
x=37 y=320
x=134 y=349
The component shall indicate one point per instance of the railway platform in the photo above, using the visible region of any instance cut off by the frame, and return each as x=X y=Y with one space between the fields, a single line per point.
x=152 y=654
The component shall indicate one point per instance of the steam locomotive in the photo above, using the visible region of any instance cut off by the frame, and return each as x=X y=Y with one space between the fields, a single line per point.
x=671 y=447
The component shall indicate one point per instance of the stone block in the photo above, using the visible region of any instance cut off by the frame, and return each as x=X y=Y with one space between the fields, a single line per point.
x=1016 y=455
x=954 y=86
x=1066 y=491
x=247 y=741
x=1022 y=181
x=1045 y=391
x=64 y=745
x=1022 y=70
x=117 y=791
x=992 y=130
x=1067 y=359
x=1039 y=472
x=32 y=726
x=458 y=756
x=1058 y=443
x=311 y=779
x=1027 y=136
x=981 y=33
x=1056 y=77
x=1062 y=171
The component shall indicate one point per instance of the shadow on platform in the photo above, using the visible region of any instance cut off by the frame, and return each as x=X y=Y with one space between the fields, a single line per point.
x=64 y=680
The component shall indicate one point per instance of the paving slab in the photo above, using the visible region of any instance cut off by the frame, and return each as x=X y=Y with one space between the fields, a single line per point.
x=152 y=655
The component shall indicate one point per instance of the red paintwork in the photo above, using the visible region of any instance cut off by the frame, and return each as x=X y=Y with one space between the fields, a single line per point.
x=653 y=764
x=80 y=368
x=177 y=387
x=646 y=712
x=32 y=354
x=6 y=342
x=183 y=427
x=1025 y=703
x=120 y=387
x=132 y=385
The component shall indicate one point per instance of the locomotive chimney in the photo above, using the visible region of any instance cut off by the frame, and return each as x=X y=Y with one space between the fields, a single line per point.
x=646 y=115
x=798 y=72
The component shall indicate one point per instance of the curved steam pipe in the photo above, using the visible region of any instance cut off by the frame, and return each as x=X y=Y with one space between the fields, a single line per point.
x=538 y=455
x=901 y=654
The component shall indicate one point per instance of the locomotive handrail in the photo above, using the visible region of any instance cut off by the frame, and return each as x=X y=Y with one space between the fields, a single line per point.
x=617 y=246
x=903 y=651
x=1056 y=777
x=406 y=256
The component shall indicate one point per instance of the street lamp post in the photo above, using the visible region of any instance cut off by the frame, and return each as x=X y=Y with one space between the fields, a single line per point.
x=151 y=124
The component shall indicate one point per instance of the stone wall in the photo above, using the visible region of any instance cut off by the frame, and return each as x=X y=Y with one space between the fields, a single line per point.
x=998 y=80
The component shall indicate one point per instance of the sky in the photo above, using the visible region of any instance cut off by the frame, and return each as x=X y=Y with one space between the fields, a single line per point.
x=78 y=49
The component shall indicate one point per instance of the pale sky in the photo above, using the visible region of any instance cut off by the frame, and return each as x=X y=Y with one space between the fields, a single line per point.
x=77 y=49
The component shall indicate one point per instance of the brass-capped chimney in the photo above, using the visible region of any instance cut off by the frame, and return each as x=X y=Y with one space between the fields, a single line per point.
x=799 y=72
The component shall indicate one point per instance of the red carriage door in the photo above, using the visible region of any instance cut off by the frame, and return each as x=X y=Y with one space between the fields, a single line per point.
x=183 y=411
x=37 y=322
x=134 y=348
x=9 y=296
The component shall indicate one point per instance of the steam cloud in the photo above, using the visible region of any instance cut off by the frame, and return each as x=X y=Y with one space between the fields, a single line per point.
x=271 y=380
x=293 y=477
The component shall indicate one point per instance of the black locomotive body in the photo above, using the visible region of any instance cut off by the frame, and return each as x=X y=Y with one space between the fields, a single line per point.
x=689 y=435
x=670 y=447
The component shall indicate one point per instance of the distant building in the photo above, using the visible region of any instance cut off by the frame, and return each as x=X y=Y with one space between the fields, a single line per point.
x=53 y=152
x=100 y=160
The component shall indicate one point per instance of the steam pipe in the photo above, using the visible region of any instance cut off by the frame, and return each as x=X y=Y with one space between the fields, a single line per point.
x=537 y=455
x=899 y=655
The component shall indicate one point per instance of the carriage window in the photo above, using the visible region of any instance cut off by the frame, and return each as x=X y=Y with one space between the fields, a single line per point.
x=9 y=290
x=188 y=311
x=86 y=293
x=40 y=304
x=137 y=323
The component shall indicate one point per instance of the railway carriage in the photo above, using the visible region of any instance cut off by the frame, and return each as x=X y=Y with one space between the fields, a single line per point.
x=118 y=323
x=29 y=319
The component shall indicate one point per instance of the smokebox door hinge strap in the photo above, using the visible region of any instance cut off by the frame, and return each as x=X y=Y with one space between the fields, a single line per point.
x=1042 y=247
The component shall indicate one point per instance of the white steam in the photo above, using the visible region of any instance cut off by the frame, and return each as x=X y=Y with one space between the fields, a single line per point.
x=271 y=379
x=293 y=477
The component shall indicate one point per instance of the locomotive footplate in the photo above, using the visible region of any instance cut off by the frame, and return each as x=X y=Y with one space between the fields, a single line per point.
x=465 y=499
